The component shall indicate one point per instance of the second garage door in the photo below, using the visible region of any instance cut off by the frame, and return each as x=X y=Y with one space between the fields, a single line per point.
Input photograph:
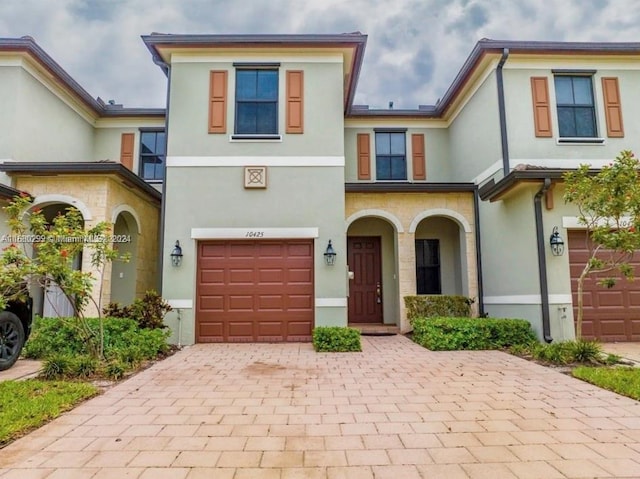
x=610 y=314
x=257 y=291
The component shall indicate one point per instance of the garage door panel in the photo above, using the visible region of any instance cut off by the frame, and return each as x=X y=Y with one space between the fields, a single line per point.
x=610 y=314
x=258 y=290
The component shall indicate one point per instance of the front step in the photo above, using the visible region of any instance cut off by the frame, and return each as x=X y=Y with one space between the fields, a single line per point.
x=376 y=329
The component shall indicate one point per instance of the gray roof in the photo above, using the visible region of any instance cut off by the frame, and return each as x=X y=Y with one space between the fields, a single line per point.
x=8 y=193
x=29 y=45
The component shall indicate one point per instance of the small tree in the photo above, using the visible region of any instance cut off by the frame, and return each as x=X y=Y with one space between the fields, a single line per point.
x=45 y=256
x=609 y=207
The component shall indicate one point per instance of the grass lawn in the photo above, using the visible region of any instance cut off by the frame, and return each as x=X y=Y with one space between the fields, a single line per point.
x=625 y=381
x=26 y=405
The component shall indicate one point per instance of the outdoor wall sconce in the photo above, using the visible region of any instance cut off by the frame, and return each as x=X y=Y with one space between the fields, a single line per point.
x=330 y=255
x=556 y=242
x=176 y=254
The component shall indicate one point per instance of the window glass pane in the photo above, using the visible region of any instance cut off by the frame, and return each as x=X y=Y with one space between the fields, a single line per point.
x=585 y=122
x=267 y=85
x=383 y=168
x=398 y=168
x=160 y=143
x=566 y=122
x=564 y=90
x=148 y=170
x=582 y=91
x=397 y=143
x=383 y=144
x=267 y=118
x=246 y=84
x=159 y=171
x=246 y=118
x=148 y=142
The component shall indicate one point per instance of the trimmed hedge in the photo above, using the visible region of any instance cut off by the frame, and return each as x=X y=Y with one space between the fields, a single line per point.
x=336 y=339
x=449 y=334
x=431 y=306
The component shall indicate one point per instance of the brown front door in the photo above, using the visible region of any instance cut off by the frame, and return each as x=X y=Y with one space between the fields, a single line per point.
x=365 y=289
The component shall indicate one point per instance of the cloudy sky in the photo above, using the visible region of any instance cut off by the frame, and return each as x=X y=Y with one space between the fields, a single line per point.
x=414 y=50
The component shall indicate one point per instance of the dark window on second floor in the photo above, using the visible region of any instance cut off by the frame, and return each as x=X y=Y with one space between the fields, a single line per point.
x=576 y=111
x=428 y=266
x=391 y=158
x=152 y=155
x=256 y=102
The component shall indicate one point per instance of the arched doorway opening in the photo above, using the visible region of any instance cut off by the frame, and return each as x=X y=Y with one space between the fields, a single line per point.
x=124 y=275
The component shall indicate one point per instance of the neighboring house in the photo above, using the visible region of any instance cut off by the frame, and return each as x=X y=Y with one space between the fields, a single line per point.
x=266 y=167
x=65 y=149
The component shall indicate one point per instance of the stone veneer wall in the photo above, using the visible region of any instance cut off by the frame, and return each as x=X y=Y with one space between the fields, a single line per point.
x=406 y=207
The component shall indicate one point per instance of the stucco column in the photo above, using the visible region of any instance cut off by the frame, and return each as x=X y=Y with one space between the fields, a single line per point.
x=406 y=274
x=472 y=270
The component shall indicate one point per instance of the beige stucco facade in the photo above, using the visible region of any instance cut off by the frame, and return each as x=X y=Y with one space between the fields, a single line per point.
x=406 y=213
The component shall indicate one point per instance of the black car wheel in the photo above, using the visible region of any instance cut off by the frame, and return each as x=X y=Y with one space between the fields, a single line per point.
x=11 y=339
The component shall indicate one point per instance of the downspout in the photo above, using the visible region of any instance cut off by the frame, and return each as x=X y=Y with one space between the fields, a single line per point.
x=542 y=260
x=502 y=113
x=476 y=215
x=167 y=69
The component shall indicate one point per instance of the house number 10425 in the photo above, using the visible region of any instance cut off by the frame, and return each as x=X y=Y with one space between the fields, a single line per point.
x=254 y=234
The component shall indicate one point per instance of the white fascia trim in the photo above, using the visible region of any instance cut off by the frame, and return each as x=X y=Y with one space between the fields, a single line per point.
x=492 y=170
x=331 y=302
x=180 y=303
x=324 y=58
x=253 y=233
x=106 y=123
x=572 y=222
x=528 y=299
x=204 y=161
x=558 y=162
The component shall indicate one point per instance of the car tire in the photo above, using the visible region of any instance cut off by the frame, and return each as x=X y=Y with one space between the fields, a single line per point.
x=11 y=339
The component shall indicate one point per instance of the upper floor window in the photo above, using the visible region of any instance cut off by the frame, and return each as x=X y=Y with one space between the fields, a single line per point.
x=576 y=110
x=152 y=155
x=256 y=102
x=391 y=158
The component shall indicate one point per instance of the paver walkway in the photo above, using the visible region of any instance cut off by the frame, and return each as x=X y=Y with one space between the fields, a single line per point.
x=393 y=411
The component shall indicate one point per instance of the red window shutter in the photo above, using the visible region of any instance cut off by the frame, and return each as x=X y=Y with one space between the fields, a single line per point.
x=295 y=101
x=418 y=157
x=612 y=107
x=364 y=156
x=218 y=101
x=541 y=108
x=126 y=149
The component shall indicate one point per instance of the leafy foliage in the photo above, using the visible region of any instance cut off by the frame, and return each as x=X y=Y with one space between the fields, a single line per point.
x=65 y=354
x=429 y=306
x=609 y=207
x=148 y=312
x=566 y=352
x=448 y=334
x=336 y=339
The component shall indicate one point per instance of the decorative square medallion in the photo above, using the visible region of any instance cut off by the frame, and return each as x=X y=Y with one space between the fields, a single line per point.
x=255 y=176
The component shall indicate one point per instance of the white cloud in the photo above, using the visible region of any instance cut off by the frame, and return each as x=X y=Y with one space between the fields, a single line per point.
x=415 y=47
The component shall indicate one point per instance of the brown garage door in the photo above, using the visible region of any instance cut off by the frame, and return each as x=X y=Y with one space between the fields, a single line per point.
x=610 y=314
x=254 y=291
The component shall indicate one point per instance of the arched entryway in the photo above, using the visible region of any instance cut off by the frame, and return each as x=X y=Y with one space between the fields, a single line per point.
x=441 y=258
x=124 y=274
x=371 y=257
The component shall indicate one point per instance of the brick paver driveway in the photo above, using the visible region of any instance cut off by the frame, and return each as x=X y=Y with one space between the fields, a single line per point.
x=282 y=411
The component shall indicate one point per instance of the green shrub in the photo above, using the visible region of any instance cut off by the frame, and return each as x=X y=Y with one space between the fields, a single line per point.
x=448 y=334
x=336 y=339
x=556 y=353
x=115 y=370
x=148 y=312
x=58 y=342
x=431 y=306
x=584 y=351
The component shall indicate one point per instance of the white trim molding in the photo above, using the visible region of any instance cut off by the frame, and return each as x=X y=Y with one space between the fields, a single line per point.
x=558 y=162
x=125 y=208
x=331 y=302
x=440 y=212
x=528 y=299
x=70 y=200
x=253 y=233
x=572 y=222
x=492 y=170
x=180 y=303
x=204 y=58
x=376 y=214
x=204 y=161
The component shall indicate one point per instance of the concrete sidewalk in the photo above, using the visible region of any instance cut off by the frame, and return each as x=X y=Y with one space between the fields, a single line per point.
x=22 y=369
x=283 y=411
